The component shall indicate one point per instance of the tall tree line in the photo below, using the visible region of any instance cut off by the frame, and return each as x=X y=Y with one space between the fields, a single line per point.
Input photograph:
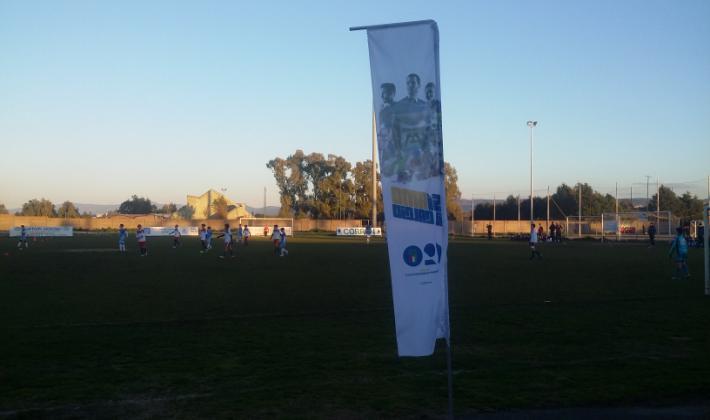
x=565 y=202
x=330 y=187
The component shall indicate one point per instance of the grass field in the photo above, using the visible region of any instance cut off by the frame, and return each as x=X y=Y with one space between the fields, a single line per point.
x=87 y=332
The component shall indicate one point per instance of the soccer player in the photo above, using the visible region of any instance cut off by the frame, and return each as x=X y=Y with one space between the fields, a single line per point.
x=247 y=235
x=208 y=238
x=142 y=245
x=23 y=243
x=276 y=238
x=282 y=243
x=679 y=246
x=533 y=242
x=122 y=236
x=368 y=232
x=176 y=237
x=203 y=238
x=227 y=235
x=240 y=234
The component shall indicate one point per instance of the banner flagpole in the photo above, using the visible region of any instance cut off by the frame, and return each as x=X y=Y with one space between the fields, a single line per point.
x=407 y=122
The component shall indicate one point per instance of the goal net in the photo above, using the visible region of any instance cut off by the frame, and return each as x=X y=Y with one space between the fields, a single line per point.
x=263 y=226
x=636 y=224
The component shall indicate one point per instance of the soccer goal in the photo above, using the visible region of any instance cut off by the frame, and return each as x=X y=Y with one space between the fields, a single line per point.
x=636 y=224
x=263 y=226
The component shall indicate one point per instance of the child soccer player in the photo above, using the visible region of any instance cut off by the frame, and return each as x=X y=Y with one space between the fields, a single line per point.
x=368 y=232
x=282 y=243
x=276 y=238
x=227 y=234
x=142 y=245
x=240 y=234
x=23 y=238
x=679 y=246
x=203 y=238
x=247 y=234
x=208 y=238
x=533 y=243
x=122 y=235
x=176 y=237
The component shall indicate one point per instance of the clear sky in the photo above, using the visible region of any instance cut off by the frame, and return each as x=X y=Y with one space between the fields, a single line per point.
x=101 y=100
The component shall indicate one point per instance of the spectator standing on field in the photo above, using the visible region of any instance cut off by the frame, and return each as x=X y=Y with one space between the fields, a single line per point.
x=552 y=230
x=540 y=233
x=266 y=231
x=558 y=232
x=276 y=238
x=652 y=234
x=533 y=243
x=489 y=228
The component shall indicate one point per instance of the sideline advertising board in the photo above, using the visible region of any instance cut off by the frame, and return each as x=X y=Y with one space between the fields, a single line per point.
x=43 y=231
x=356 y=231
x=168 y=231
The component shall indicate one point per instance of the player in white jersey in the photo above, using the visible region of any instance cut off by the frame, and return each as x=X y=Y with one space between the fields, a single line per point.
x=142 y=244
x=208 y=238
x=23 y=243
x=122 y=236
x=247 y=235
x=282 y=244
x=240 y=234
x=203 y=238
x=227 y=235
x=276 y=239
x=533 y=243
x=176 y=236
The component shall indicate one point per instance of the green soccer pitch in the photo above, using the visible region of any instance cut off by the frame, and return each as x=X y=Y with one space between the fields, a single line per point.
x=87 y=331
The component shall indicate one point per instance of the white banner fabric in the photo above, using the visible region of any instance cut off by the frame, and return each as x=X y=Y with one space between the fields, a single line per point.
x=404 y=64
x=356 y=231
x=43 y=231
x=168 y=231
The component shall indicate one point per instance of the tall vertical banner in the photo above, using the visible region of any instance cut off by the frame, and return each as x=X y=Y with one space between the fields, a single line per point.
x=404 y=62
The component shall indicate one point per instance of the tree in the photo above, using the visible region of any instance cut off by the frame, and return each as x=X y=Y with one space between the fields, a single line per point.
x=68 y=210
x=687 y=207
x=291 y=181
x=137 y=205
x=220 y=208
x=453 y=194
x=186 y=212
x=169 y=208
x=40 y=207
x=3 y=210
x=362 y=190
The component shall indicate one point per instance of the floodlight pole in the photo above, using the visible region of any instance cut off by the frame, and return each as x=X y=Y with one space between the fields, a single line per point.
x=616 y=209
x=579 y=217
x=532 y=125
x=658 y=204
x=706 y=244
x=374 y=171
x=494 y=214
x=548 y=208
x=473 y=211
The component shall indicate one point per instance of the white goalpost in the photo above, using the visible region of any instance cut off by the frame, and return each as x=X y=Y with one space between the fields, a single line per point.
x=706 y=244
x=263 y=226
